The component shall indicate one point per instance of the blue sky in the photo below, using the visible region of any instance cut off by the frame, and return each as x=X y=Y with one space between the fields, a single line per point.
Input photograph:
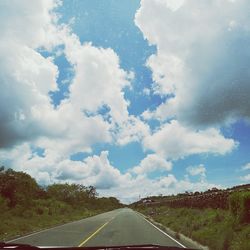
x=132 y=97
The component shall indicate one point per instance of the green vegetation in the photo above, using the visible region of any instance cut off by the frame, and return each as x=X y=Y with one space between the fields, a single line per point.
x=26 y=207
x=215 y=228
x=239 y=204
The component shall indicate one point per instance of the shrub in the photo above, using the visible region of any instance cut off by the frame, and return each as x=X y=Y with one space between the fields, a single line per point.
x=3 y=204
x=39 y=210
x=18 y=210
x=28 y=214
x=239 y=204
x=241 y=241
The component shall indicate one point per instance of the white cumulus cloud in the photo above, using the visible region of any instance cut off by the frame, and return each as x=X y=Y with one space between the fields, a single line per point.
x=245 y=178
x=94 y=170
x=174 y=141
x=246 y=167
x=202 y=58
x=27 y=78
x=197 y=170
x=151 y=163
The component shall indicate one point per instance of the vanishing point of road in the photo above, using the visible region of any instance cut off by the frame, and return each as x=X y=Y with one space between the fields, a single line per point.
x=115 y=228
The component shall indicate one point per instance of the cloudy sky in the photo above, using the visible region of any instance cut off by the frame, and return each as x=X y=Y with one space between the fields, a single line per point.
x=134 y=97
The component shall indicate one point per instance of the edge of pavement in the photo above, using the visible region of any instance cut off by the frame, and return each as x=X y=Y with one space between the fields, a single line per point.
x=181 y=238
x=12 y=238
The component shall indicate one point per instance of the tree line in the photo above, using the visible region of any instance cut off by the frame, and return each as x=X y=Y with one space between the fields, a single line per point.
x=19 y=189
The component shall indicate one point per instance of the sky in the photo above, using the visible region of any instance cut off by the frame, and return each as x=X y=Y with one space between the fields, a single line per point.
x=136 y=98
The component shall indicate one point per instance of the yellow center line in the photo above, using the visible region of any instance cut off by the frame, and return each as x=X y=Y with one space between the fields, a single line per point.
x=93 y=234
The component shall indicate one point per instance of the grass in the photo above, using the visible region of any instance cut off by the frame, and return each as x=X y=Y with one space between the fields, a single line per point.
x=214 y=228
x=19 y=221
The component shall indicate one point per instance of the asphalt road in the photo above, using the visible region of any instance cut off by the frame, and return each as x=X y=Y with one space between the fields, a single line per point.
x=114 y=228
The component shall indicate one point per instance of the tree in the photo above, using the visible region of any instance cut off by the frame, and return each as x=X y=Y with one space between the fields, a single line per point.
x=74 y=194
x=17 y=187
x=92 y=192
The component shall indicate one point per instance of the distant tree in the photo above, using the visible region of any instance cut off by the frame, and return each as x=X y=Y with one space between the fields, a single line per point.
x=92 y=192
x=108 y=203
x=74 y=194
x=17 y=187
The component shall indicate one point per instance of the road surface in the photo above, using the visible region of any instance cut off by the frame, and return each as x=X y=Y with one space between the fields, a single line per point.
x=118 y=227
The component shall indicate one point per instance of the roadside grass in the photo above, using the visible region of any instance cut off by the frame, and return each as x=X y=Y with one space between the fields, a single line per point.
x=214 y=228
x=20 y=221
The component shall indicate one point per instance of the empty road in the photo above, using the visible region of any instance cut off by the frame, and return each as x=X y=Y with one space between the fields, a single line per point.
x=117 y=227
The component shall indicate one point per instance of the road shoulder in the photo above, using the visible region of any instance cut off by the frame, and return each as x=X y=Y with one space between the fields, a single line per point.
x=182 y=239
